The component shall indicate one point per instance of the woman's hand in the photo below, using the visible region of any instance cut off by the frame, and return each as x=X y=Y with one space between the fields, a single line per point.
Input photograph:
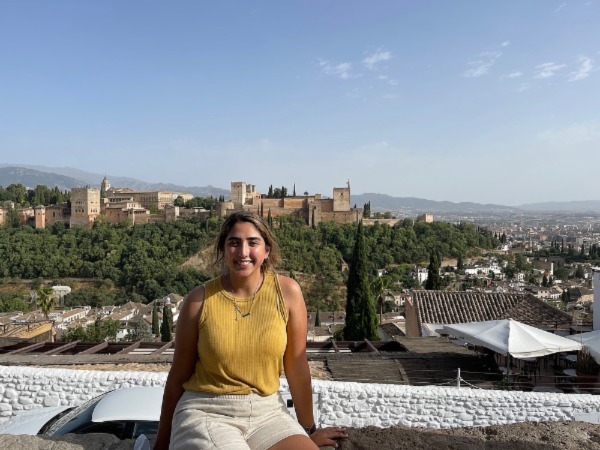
x=328 y=436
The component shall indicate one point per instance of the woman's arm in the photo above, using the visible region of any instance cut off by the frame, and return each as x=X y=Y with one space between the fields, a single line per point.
x=295 y=363
x=184 y=362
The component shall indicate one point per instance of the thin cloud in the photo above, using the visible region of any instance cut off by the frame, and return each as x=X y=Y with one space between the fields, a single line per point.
x=388 y=80
x=560 y=7
x=573 y=134
x=548 y=70
x=515 y=74
x=342 y=70
x=583 y=71
x=372 y=60
x=481 y=66
x=505 y=44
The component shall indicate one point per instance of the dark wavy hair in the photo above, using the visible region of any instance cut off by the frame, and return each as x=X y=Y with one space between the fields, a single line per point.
x=270 y=241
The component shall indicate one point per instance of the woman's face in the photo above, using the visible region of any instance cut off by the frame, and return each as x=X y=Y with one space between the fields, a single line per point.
x=245 y=249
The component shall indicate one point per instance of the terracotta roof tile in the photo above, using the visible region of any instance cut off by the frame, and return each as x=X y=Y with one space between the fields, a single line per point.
x=459 y=307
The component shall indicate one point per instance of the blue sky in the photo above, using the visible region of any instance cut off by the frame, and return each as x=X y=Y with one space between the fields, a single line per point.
x=485 y=101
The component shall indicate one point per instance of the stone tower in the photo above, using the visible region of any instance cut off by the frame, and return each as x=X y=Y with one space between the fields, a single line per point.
x=341 y=198
x=238 y=193
x=85 y=206
x=40 y=217
x=104 y=187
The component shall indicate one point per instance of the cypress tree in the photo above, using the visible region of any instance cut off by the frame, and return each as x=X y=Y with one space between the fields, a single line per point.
x=166 y=326
x=155 y=325
x=361 y=317
x=317 y=318
x=434 y=281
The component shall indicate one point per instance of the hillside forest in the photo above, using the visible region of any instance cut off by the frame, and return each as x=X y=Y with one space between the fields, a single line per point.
x=123 y=263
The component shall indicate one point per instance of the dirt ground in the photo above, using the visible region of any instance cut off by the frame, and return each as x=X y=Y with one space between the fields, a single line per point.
x=522 y=436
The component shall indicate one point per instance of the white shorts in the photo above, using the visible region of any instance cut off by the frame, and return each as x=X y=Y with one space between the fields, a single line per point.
x=208 y=421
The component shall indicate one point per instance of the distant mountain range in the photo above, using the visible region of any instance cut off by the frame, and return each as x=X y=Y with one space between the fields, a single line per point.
x=386 y=202
x=66 y=178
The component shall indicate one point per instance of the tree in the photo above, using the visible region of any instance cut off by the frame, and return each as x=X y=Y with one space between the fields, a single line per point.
x=179 y=201
x=139 y=331
x=167 y=325
x=579 y=273
x=367 y=210
x=361 y=319
x=102 y=330
x=155 y=323
x=380 y=284
x=46 y=300
x=434 y=281
x=545 y=281
x=459 y=263
x=317 y=317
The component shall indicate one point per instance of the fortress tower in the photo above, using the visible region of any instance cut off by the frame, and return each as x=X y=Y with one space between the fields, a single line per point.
x=85 y=206
x=238 y=193
x=40 y=217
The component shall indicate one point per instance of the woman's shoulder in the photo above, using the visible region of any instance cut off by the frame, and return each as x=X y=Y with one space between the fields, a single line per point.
x=200 y=292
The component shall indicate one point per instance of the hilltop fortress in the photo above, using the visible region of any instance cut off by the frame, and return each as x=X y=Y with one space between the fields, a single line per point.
x=312 y=208
x=123 y=205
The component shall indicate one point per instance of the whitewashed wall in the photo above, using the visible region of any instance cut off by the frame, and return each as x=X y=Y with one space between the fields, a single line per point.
x=349 y=404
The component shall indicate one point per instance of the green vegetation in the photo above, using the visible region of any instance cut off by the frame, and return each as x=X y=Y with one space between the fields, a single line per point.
x=102 y=330
x=361 y=319
x=434 y=281
x=14 y=301
x=166 y=327
x=144 y=262
x=41 y=195
x=45 y=300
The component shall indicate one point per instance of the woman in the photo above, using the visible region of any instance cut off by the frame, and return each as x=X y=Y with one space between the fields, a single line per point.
x=234 y=333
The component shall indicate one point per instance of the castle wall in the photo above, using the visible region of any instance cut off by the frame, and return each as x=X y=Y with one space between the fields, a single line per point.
x=295 y=203
x=326 y=205
x=341 y=216
x=199 y=213
x=58 y=213
x=26 y=215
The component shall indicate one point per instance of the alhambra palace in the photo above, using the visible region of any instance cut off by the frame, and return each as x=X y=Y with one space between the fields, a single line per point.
x=125 y=206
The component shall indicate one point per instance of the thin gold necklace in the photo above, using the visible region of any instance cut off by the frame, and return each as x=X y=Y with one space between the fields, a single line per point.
x=235 y=305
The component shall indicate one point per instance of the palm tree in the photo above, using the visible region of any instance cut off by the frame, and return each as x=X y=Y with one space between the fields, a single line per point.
x=379 y=285
x=45 y=300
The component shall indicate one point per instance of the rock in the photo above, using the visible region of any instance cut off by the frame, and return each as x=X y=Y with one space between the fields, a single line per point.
x=68 y=442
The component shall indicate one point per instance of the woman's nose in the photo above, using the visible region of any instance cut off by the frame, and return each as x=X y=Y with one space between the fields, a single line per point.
x=244 y=248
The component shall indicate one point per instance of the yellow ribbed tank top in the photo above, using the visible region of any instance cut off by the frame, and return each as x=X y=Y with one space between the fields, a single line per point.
x=245 y=355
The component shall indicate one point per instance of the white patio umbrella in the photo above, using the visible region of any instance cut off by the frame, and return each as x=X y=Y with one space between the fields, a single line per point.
x=591 y=341
x=508 y=336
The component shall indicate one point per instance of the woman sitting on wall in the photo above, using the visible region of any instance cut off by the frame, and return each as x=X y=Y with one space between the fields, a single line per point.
x=234 y=335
